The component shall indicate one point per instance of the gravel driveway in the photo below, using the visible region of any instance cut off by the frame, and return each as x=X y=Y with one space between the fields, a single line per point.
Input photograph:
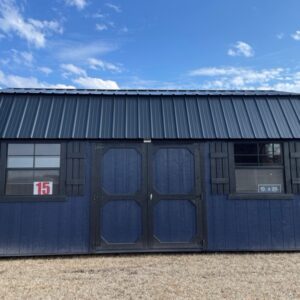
x=184 y=276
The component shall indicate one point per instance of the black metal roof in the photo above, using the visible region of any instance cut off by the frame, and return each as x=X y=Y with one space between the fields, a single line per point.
x=145 y=114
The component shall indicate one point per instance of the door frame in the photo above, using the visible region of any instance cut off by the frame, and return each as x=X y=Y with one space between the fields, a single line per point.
x=99 y=198
x=145 y=245
x=197 y=198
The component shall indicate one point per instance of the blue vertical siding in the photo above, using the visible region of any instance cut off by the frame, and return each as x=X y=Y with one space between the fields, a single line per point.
x=39 y=228
x=44 y=228
x=33 y=228
x=250 y=225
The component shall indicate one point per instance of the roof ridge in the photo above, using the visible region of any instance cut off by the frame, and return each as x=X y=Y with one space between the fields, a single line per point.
x=170 y=92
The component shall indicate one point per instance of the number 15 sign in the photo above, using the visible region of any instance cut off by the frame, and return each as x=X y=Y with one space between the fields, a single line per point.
x=43 y=188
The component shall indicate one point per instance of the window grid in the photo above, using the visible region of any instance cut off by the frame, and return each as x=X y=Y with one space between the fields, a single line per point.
x=273 y=167
x=34 y=169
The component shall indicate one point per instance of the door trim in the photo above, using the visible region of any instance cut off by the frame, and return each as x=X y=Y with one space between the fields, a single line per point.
x=196 y=196
x=146 y=245
x=99 y=197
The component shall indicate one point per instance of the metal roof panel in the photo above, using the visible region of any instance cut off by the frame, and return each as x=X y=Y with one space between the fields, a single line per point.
x=268 y=119
x=206 y=118
x=156 y=118
x=193 y=118
x=230 y=118
x=184 y=116
x=255 y=118
x=182 y=126
x=282 y=124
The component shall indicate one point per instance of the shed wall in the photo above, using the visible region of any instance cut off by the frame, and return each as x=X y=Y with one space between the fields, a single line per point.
x=34 y=228
x=250 y=225
x=41 y=228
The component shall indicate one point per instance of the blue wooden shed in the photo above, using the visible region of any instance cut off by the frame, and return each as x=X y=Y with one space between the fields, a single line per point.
x=98 y=171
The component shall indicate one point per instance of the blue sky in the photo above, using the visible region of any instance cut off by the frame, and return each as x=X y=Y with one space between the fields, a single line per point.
x=164 y=44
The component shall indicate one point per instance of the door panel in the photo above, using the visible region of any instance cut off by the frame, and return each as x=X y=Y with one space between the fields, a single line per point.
x=121 y=171
x=120 y=190
x=173 y=171
x=174 y=202
x=121 y=222
x=174 y=221
x=146 y=196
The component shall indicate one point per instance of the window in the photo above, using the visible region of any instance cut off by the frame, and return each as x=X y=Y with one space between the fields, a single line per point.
x=259 y=168
x=32 y=164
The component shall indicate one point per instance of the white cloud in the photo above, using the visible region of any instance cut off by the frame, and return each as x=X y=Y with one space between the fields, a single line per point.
x=47 y=25
x=124 y=29
x=114 y=7
x=61 y=86
x=241 y=49
x=239 y=76
x=74 y=51
x=45 y=70
x=71 y=69
x=280 y=36
x=101 y=27
x=8 y=80
x=296 y=35
x=33 y=31
x=22 y=57
x=286 y=86
x=248 y=78
x=79 y=4
x=96 y=83
x=99 y=15
x=103 y=65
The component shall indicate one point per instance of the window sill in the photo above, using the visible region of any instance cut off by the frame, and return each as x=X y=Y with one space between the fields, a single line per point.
x=39 y=199
x=261 y=196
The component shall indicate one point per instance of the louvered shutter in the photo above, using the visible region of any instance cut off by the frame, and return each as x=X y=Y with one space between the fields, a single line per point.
x=294 y=151
x=2 y=167
x=219 y=166
x=75 y=168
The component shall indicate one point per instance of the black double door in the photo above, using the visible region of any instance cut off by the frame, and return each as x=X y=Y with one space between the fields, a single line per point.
x=146 y=196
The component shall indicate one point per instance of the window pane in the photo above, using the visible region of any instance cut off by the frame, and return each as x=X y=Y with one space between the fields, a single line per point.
x=47 y=149
x=267 y=160
x=259 y=180
x=245 y=148
x=19 y=182
x=20 y=162
x=266 y=149
x=20 y=149
x=246 y=159
x=47 y=162
x=270 y=153
x=47 y=175
x=277 y=149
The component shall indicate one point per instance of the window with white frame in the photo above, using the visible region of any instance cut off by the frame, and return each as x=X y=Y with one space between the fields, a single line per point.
x=32 y=169
x=259 y=167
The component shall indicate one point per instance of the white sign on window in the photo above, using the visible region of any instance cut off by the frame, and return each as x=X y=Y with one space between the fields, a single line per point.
x=269 y=188
x=43 y=188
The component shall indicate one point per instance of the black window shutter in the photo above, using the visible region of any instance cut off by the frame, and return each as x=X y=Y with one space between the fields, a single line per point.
x=2 y=167
x=75 y=170
x=294 y=148
x=219 y=166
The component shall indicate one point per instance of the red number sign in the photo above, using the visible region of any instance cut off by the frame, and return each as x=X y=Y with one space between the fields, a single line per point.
x=43 y=188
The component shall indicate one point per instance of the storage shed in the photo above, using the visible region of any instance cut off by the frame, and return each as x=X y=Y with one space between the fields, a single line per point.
x=94 y=171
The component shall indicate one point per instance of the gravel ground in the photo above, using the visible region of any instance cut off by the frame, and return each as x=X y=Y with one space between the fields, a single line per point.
x=182 y=276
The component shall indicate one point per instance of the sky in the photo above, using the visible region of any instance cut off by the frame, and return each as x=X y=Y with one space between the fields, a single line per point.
x=157 y=44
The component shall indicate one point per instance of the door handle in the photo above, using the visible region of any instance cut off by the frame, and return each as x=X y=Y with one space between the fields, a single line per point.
x=150 y=196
